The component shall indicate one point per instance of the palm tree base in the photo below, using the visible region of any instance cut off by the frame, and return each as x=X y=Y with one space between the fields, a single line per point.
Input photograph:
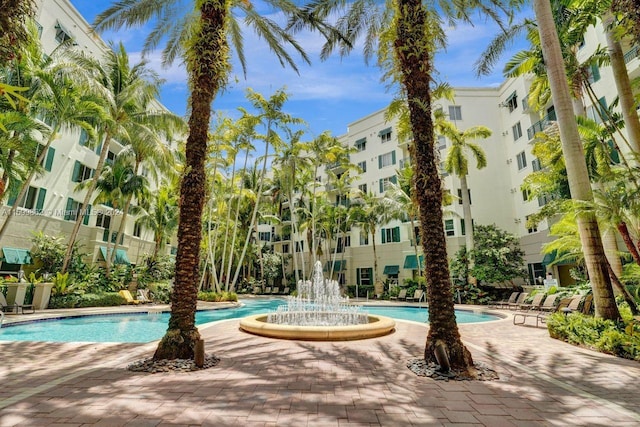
x=178 y=344
x=459 y=357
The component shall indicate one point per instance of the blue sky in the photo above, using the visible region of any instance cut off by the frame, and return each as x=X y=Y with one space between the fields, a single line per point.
x=328 y=95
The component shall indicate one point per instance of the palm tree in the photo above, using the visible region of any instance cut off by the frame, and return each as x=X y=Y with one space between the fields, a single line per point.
x=201 y=34
x=160 y=215
x=126 y=93
x=369 y=213
x=575 y=163
x=13 y=27
x=457 y=162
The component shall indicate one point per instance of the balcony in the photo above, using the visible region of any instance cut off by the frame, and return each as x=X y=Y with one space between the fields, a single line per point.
x=338 y=165
x=541 y=125
x=632 y=54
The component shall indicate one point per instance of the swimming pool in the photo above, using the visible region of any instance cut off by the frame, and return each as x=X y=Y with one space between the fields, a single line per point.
x=143 y=327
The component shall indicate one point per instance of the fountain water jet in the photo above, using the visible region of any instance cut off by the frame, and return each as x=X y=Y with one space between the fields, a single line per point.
x=318 y=312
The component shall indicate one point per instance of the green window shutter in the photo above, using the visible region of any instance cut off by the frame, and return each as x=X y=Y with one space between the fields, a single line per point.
x=384 y=235
x=13 y=194
x=393 y=157
x=396 y=234
x=595 y=72
x=99 y=148
x=93 y=171
x=76 y=171
x=394 y=179
x=84 y=137
x=613 y=153
x=381 y=186
x=40 y=202
x=48 y=163
x=379 y=162
x=67 y=211
x=462 y=229
x=603 y=107
x=85 y=220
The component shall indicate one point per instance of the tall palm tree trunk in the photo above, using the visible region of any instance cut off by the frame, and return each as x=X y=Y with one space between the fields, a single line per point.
x=207 y=60
x=621 y=79
x=412 y=49
x=85 y=203
x=577 y=174
x=468 y=219
x=5 y=173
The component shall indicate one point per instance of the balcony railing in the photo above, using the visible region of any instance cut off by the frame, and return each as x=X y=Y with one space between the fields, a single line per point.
x=632 y=54
x=541 y=125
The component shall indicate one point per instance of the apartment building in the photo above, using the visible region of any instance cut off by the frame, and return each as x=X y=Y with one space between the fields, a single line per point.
x=52 y=201
x=496 y=191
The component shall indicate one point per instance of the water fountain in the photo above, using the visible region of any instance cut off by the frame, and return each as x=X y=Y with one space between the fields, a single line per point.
x=318 y=313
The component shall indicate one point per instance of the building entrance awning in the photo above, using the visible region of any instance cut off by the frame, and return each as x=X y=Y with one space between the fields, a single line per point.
x=16 y=256
x=410 y=262
x=121 y=255
x=391 y=270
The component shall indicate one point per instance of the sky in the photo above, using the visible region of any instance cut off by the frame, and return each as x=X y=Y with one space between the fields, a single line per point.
x=327 y=94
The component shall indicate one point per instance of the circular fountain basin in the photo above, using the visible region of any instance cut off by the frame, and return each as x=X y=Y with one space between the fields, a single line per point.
x=377 y=326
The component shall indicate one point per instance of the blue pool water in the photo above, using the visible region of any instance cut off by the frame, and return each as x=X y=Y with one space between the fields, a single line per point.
x=145 y=327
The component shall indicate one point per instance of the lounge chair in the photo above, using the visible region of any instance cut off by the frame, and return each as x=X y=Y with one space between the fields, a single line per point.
x=499 y=304
x=267 y=290
x=574 y=304
x=549 y=303
x=128 y=297
x=14 y=308
x=143 y=296
x=285 y=291
x=513 y=306
x=534 y=304
x=256 y=290
x=417 y=295
x=539 y=313
x=275 y=290
x=402 y=295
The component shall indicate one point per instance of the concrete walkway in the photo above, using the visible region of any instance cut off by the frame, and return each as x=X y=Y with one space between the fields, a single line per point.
x=266 y=382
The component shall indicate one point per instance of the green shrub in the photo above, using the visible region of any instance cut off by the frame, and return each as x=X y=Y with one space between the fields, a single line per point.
x=217 y=297
x=621 y=339
x=109 y=299
x=161 y=291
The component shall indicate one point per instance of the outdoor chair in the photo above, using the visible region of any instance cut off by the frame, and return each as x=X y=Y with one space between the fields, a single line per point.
x=417 y=295
x=275 y=290
x=539 y=313
x=499 y=304
x=513 y=306
x=14 y=308
x=285 y=291
x=402 y=295
x=143 y=296
x=533 y=305
x=574 y=304
x=128 y=297
x=267 y=290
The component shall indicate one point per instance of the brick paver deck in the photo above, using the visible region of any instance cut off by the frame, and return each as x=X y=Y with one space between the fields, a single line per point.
x=267 y=382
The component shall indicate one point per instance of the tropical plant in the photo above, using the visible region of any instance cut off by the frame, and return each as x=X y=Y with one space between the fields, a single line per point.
x=497 y=255
x=160 y=215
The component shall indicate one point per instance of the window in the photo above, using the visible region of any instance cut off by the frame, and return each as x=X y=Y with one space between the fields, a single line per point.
x=531 y=228
x=460 y=195
x=300 y=246
x=264 y=236
x=81 y=172
x=594 y=73
x=536 y=273
x=103 y=220
x=390 y=235
x=74 y=209
x=512 y=102
x=416 y=236
x=62 y=35
x=525 y=195
x=448 y=228
x=384 y=183
x=544 y=199
x=84 y=138
x=361 y=144
x=39 y=27
x=455 y=112
x=536 y=165
x=522 y=160
x=442 y=142
x=363 y=166
x=364 y=238
x=463 y=230
x=29 y=199
x=285 y=248
x=342 y=200
x=387 y=159
x=600 y=113
x=443 y=171
x=363 y=276
x=385 y=135
x=111 y=156
x=137 y=229
x=517 y=131
x=363 y=188
x=343 y=242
